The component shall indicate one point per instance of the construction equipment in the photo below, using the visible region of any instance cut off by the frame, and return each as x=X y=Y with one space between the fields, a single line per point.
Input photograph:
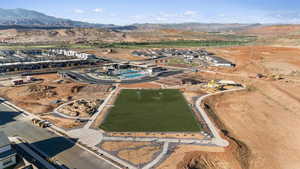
x=276 y=77
x=213 y=84
x=35 y=121
x=41 y=123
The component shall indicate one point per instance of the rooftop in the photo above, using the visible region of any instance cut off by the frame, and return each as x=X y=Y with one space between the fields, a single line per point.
x=3 y=139
x=6 y=154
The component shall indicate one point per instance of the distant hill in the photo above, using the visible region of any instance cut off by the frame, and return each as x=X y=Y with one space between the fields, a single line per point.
x=199 y=27
x=32 y=18
x=28 y=19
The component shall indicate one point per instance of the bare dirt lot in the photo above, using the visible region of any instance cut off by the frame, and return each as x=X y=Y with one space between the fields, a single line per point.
x=262 y=120
x=266 y=120
x=203 y=157
x=40 y=98
x=119 y=145
x=134 y=152
x=139 y=156
x=62 y=122
x=261 y=59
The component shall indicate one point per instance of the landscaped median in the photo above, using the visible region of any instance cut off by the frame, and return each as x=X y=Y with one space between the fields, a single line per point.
x=150 y=110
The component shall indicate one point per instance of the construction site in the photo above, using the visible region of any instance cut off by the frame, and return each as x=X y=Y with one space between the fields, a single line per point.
x=44 y=97
x=231 y=129
x=79 y=108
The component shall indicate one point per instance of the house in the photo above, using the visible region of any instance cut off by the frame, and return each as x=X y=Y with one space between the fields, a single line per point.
x=218 y=61
x=7 y=154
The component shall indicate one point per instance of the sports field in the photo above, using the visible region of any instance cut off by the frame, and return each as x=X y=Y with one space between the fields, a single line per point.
x=150 y=111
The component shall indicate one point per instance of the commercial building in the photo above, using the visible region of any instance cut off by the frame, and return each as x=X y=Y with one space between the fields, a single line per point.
x=7 y=154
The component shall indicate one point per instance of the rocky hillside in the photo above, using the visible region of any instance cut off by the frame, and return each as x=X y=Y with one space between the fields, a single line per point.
x=73 y=35
x=34 y=18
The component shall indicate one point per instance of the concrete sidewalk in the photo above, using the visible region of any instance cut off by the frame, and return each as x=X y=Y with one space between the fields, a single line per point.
x=101 y=107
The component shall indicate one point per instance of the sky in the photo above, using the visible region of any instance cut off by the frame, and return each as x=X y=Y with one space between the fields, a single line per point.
x=124 y=12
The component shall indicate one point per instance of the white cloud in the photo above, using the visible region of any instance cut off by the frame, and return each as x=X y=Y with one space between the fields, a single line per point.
x=98 y=10
x=165 y=17
x=190 y=13
x=79 y=11
x=159 y=19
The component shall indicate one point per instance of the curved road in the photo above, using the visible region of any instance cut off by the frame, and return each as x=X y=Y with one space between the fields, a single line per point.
x=217 y=139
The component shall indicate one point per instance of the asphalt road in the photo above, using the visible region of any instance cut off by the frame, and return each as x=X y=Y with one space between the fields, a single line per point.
x=67 y=153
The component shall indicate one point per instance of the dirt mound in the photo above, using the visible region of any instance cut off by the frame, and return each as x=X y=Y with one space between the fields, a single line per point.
x=81 y=108
x=228 y=159
x=41 y=91
x=205 y=161
x=76 y=89
x=202 y=157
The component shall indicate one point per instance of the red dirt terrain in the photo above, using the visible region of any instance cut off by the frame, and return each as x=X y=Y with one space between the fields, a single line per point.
x=266 y=119
x=262 y=121
x=280 y=35
x=39 y=98
x=278 y=29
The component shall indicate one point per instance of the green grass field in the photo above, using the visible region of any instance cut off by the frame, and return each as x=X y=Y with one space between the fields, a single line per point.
x=28 y=47
x=180 y=61
x=177 y=43
x=230 y=40
x=150 y=111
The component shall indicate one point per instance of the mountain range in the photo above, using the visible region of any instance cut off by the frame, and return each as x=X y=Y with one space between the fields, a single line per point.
x=26 y=17
x=23 y=18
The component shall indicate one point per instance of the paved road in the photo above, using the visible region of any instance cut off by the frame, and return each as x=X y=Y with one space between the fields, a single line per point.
x=217 y=139
x=14 y=124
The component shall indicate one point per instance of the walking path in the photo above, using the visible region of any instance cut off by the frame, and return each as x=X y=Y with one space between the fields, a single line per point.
x=159 y=157
x=170 y=140
x=101 y=107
